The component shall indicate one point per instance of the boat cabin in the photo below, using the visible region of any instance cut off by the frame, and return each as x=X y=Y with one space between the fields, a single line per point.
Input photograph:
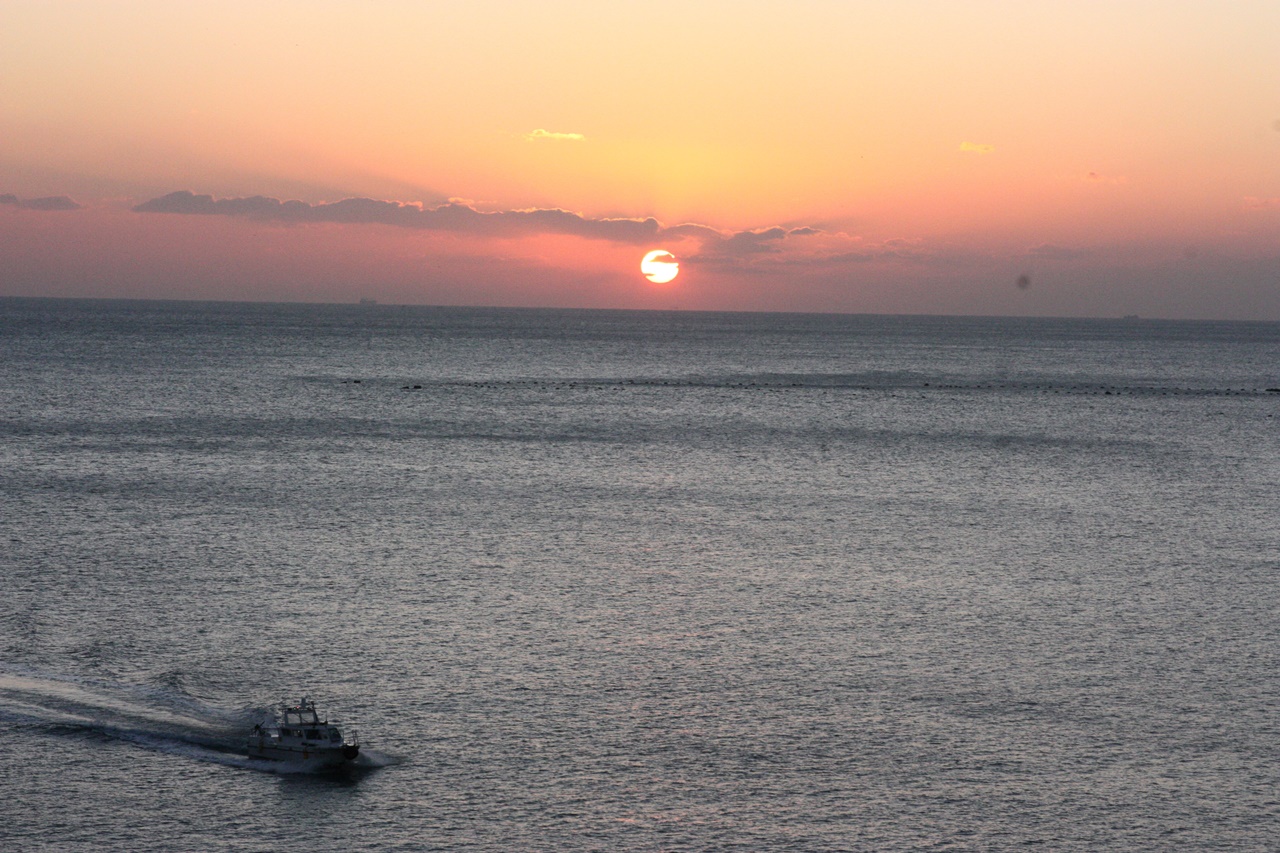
x=298 y=731
x=328 y=733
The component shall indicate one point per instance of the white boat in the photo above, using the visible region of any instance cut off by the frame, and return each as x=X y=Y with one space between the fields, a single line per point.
x=298 y=734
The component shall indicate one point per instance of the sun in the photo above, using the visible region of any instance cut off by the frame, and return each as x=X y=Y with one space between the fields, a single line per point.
x=659 y=266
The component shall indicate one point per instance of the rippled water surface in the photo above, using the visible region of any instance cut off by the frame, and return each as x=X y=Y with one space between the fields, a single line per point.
x=638 y=581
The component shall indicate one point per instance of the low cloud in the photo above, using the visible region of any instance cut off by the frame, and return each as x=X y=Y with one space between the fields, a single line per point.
x=705 y=233
x=909 y=251
x=749 y=251
x=976 y=148
x=897 y=249
x=1051 y=252
x=754 y=242
x=740 y=248
x=56 y=202
x=535 y=135
x=453 y=217
x=458 y=217
x=1252 y=202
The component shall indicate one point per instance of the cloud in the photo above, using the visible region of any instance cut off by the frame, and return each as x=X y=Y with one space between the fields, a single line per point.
x=1256 y=203
x=714 y=246
x=754 y=242
x=909 y=251
x=56 y=202
x=452 y=217
x=705 y=233
x=976 y=148
x=1050 y=252
x=736 y=249
x=534 y=136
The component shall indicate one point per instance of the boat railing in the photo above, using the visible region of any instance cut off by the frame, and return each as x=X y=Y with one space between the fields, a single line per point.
x=350 y=737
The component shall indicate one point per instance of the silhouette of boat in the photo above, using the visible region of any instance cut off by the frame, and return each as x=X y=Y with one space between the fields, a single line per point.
x=298 y=734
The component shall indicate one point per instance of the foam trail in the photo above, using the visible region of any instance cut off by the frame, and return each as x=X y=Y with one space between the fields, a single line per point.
x=162 y=719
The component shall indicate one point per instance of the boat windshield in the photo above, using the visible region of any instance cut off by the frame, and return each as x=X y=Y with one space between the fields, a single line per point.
x=301 y=716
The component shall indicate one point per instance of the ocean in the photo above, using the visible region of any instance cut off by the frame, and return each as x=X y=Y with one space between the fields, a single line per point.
x=637 y=581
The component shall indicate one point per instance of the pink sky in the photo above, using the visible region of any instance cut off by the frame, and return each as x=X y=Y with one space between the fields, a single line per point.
x=907 y=157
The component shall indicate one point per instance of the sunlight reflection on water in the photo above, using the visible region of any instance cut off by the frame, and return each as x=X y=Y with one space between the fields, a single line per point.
x=640 y=581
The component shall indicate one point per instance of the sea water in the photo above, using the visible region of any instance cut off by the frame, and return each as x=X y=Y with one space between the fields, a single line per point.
x=637 y=580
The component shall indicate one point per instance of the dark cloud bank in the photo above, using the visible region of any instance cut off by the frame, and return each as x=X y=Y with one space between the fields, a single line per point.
x=461 y=218
x=57 y=202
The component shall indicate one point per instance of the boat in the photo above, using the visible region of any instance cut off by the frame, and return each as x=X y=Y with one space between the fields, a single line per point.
x=298 y=734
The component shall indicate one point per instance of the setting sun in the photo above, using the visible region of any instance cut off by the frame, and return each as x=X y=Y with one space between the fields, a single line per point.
x=659 y=266
x=192 y=152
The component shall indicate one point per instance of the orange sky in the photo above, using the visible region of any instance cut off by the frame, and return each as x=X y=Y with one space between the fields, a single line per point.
x=912 y=156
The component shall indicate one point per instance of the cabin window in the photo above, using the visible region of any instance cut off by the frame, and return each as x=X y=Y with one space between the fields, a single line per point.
x=335 y=736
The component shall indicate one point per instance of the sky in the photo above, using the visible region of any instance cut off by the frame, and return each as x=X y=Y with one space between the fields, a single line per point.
x=909 y=157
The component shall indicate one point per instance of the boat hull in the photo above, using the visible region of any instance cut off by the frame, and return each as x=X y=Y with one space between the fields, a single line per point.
x=324 y=757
